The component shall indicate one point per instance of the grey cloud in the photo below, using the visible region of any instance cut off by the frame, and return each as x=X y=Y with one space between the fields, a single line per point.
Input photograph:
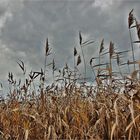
x=24 y=33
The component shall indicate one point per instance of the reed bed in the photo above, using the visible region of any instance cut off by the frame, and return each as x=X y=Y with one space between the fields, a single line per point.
x=108 y=109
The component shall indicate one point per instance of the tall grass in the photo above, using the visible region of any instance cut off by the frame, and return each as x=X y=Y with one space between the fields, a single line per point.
x=68 y=109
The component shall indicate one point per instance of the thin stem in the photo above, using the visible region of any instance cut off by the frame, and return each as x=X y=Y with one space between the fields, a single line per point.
x=93 y=73
x=53 y=77
x=45 y=63
x=99 y=64
x=84 y=63
x=110 y=71
x=132 y=48
x=139 y=59
x=74 y=69
x=128 y=68
x=74 y=74
x=120 y=71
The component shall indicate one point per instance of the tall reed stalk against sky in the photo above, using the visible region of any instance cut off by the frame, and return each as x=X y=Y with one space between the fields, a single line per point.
x=45 y=63
x=84 y=61
x=130 y=22
x=100 y=52
x=138 y=34
x=75 y=54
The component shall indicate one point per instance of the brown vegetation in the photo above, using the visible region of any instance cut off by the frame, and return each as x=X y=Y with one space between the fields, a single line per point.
x=109 y=109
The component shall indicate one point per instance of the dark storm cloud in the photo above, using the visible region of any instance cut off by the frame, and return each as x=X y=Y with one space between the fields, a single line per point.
x=24 y=26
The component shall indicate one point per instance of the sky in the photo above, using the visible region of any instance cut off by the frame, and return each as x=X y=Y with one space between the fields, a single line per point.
x=25 y=25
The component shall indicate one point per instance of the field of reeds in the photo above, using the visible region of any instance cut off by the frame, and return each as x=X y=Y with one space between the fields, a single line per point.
x=69 y=108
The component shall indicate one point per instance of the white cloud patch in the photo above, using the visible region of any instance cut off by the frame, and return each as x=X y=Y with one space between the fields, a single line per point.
x=103 y=4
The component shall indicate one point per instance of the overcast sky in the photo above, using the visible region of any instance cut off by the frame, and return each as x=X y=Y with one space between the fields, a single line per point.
x=25 y=24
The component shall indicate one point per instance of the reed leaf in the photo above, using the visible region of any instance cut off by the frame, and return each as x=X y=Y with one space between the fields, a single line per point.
x=78 y=60
x=101 y=46
x=75 y=51
x=80 y=38
x=47 y=47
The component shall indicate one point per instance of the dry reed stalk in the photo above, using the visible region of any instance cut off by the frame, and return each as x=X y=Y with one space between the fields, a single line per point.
x=75 y=54
x=100 y=51
x=53 y=69
x=111 y=52
x=47 y=49
x=93 y=71
x=113 y=130
x=80 y=41
x=130 y=22
x=118 y=64
x=138 y=34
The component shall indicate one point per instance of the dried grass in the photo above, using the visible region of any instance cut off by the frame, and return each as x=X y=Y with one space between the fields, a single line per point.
x=68 y=112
